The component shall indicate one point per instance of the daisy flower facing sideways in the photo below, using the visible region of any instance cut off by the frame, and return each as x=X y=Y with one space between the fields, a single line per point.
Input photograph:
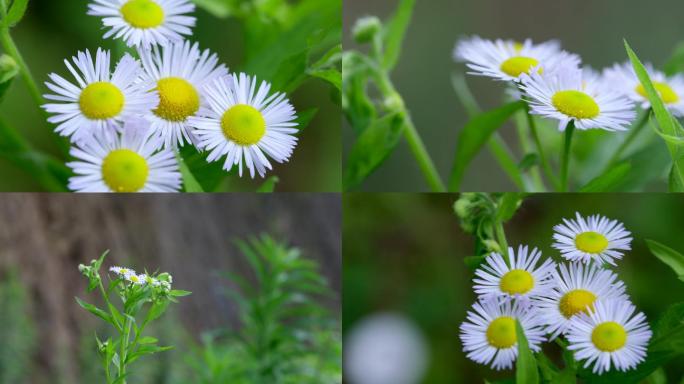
x=121 y=271
x=671 y=89
x=489 y=336
x=244 y=122
x=595 y=238
x=568 y=96
x=507 y=60
x=145 y=22
x=574 y=291
x=101 y=100
x=610 y=334
x=129 y=163
x=180 y=71
x=519 y=278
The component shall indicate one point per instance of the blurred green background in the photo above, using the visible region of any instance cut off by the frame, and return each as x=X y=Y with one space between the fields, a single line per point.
x=593 y=29
x=55 y=30
x=404 y=253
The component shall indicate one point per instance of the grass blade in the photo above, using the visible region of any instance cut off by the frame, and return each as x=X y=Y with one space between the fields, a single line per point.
x=395 y=31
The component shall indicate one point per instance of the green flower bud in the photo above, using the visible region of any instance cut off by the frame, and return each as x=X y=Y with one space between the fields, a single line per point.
x=366 y=28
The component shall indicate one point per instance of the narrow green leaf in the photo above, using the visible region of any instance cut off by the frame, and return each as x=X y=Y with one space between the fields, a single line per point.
x=332 y=76
x=509 y=204
x=394 y=32
x=372 y=148
x=610 y=181
x=148 y=340
x=179 y=293
x=675 y=63
x=526 y=366
x=269 y=185
x=16 y=12
x=474 y=135
x=528 y=161
x=190 y=184
x=672 y=318
x=8 y=71
x=95 y=311
x=669 y=256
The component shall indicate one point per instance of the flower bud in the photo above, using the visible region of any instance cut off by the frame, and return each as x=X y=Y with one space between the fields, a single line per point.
x=366 y=28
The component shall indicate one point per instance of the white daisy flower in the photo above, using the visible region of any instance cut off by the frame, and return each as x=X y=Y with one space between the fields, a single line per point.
x=520 y=278
x=568 y=96
x=135 y=279
x=129 y=163
x=671 y=89
x=245 y=122
x=149 y=280
x=145 y=22
x=595 y=238
x=121 y=271
x=179 y=71
x=574 y=291
x=507 y=60
x=102 y=100
x=610 y=335
x=488 y=334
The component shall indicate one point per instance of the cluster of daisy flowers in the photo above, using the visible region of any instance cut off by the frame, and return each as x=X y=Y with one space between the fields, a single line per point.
x=163 y=281
x=556 y=86
x=579 y=300
x=125 y=124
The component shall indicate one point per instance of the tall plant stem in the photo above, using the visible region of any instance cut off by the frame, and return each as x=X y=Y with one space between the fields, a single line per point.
x=501 y=237
x=633 y=133
x=565 y=156
x=540 y=148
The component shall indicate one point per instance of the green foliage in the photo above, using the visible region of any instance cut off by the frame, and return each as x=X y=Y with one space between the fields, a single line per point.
x=17 y=333
x=526 y=365
x=286 y=336
x=609 y=181
x=669 y=256
x=143 y=299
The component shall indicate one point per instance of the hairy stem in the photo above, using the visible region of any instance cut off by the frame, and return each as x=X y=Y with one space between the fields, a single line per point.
x=546 y=166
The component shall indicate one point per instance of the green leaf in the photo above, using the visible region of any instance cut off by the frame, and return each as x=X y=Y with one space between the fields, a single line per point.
x=609 y=181
x=95 y=311
x=218 y=8
x=675 y=63
x=509 y=204
x=327 y=67
x=269 y=185
x=474 y=135
x=8 y=71
x=663 y=116
x=669 y=256
x=356 y=104
x=179 y=293
x=528 y=161
x=148 y=340
x=393 y=34
x=208 y=175
x=526 y=366
x=372 y=148
x=672 y=318
x=16 y=12
x=190 y=184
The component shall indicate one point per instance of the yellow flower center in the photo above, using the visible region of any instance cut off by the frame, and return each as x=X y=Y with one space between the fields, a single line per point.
x=575 y=104
x=125 y=271
x=101 y=101
x=516 y=66
x=501 y=332
x=125 y=171
x=609 y=336
x=134 y=278
x=143 y=13
x=517 y=281
x=178 y=99
x=667 y=94
x=576 y=301
x=243 y=124
x=591 y=242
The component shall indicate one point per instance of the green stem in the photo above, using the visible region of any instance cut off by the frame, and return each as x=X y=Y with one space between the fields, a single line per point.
x=565 y=157
x=504 y=156
x=12 y=50
x=526 y=147
x=501 y=237
x=546 y=166
x=123 y=349
x=641 y=123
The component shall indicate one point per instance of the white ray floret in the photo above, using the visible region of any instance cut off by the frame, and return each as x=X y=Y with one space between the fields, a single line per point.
x=610 y=336
x=670 y=88
x=145 y=22
x=101 y=100
x=575 y=289
x=179 y=72
x=121 y=271
x=595 y=238
x=567 y=96
x=507 y=60
x=489 y=333
x=246 y=124
x=519 y=278
x=129 y=163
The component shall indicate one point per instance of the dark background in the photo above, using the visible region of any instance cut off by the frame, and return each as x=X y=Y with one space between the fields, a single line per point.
x=593 y=29
x=404 y=253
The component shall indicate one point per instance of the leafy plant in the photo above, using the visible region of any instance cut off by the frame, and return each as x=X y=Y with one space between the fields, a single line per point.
x=132 y=302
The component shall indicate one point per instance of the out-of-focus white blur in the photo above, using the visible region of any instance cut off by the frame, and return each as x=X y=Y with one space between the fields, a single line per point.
x=384 y=348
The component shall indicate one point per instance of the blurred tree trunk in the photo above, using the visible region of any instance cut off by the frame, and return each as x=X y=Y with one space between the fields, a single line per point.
x=45 y=237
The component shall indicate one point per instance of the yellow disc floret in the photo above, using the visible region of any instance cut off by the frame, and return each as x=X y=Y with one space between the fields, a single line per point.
x=575 y=104
x=124 y=170
x=591 y=242
x=667 y=94
x=609 y=336
x=243 y=124
x=178 y=99
x=101 y=101
x=517 y=281
x=576 y=301
x=143 y=13
x=516 y=66
x=501 y=332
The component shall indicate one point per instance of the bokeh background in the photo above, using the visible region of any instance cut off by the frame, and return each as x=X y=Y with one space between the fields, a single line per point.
x=46 y=236
x=404 y=254
x=593 y=29
x=55 y=30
